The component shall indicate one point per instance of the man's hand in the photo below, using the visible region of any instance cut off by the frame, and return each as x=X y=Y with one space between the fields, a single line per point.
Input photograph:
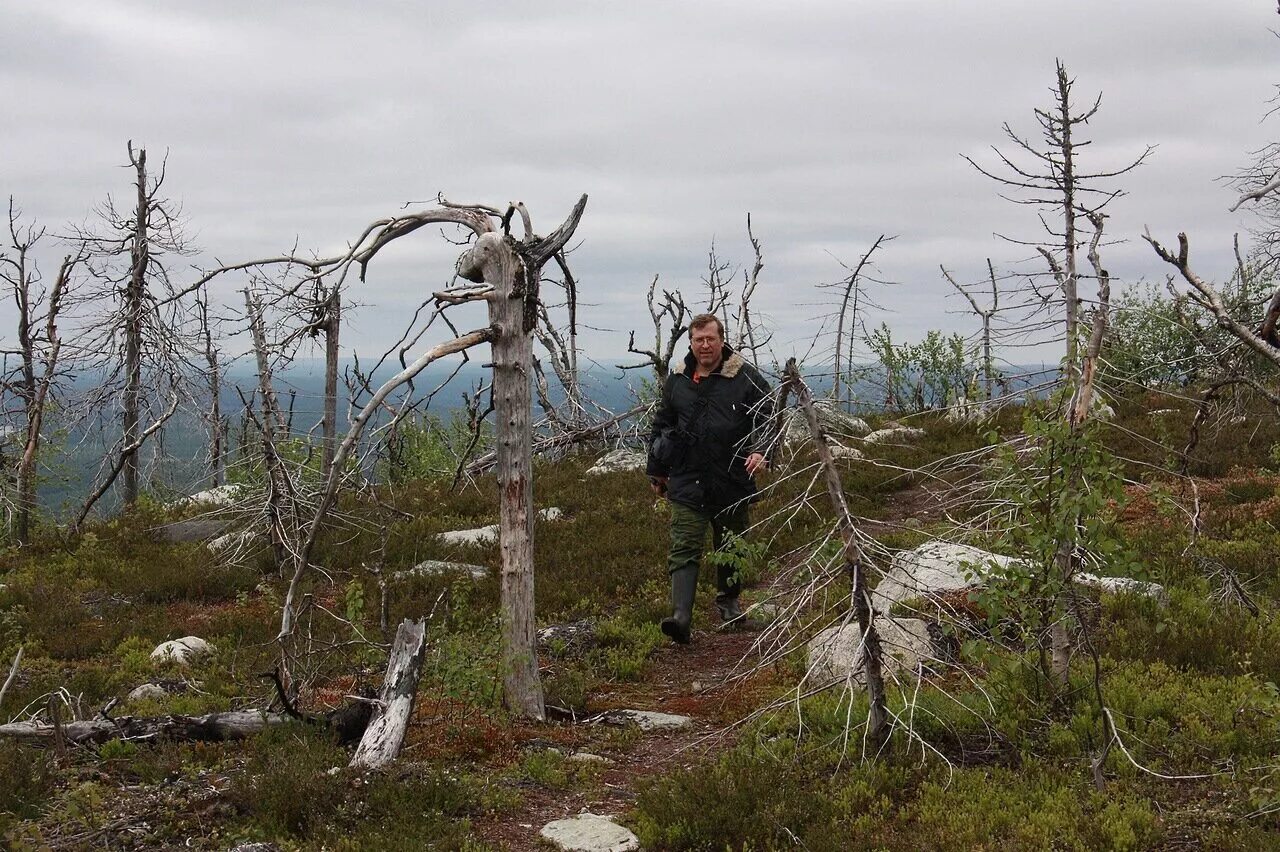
x=756 y=463
x=659 y=485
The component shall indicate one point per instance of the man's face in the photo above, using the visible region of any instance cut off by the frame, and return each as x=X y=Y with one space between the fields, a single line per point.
x=707 y=345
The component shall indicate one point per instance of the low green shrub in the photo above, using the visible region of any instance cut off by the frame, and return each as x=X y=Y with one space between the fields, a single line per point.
x=26 y=782
x=290 y=791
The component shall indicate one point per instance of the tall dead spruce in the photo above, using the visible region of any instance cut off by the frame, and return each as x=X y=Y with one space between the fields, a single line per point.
x=1051 y=179
x=508 y=271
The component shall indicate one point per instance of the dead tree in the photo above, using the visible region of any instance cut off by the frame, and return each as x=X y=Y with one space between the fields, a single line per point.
x=281 y=502
x=509 y=272
x=1053 y=180
x=217 y=427
x=985 y=314
x=562 y=346
x=855 y=564
x=744 y=341
x=136 y=334
x=670 y=321
x=1207 y=297
x=848 y=318
x=39 y=347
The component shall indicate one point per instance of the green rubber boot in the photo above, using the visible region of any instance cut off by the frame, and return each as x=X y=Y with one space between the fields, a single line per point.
x=684 y=585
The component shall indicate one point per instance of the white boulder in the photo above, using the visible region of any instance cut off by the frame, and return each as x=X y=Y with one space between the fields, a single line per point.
x=647 y=720
x=148 y=692
x=481 y=536
x=894 y=434
x=232 y=541
x=618 y=461
x=182 y=651
x=834 y=422
x=839 y=452
x=588 y=832
x=439 y=567
x=220 y=497
x=931 y=568
x=835 y=654
x=1119 y=585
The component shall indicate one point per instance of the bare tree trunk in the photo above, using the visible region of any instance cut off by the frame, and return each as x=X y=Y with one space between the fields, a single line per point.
x=332 y=324
x=279 y=490
x=217 y=449
x=135 y=290
x=847 y=302
x=38 y=350
x=872 y=653
x=495 y=261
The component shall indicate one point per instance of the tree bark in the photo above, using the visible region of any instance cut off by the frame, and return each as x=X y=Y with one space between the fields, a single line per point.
x=383 y=738
x=495 y=260
x=332 y=324
x=135 y=291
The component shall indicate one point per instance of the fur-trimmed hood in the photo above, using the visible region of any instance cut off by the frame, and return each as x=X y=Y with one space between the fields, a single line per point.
x=731 y=363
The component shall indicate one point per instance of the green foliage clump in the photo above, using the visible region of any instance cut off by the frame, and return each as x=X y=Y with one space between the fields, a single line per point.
x=750 y=799
x=925 y=375
x=287 y=792
x=26 y=782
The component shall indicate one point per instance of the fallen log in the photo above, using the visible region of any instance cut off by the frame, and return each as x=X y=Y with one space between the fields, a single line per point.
x=213 y=727
x=385 y=735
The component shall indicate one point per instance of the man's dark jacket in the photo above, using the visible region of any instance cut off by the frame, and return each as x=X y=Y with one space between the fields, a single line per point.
x=724 y=418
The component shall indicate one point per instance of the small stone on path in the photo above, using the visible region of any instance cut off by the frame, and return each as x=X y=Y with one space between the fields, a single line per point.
x=588 y=832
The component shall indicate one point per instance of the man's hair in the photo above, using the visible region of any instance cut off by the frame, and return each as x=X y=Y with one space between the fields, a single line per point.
x=705 y=319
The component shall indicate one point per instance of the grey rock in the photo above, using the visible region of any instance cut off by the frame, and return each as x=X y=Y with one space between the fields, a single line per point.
x=255 y=847
x=588 y=757
x=571 y=636
x=1126 y=585
x=182 y=651
x=937 y=567
x=932 y=568
x=618 y=461
x=588 y=832
x=647 y=720
x=486 y=535
x=835 y=654
x=220 y=497
x=439 y=567
x=148 y=692
x=193 y=529
x=232 y=541
x=894 y=435
x=834 y=422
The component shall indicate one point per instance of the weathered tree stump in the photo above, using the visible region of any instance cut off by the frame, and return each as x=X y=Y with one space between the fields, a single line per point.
x=385 y=735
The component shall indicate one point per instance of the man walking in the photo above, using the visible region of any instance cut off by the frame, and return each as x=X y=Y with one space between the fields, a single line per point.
x=708 y=440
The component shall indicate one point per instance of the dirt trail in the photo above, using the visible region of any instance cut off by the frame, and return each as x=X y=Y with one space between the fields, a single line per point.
x=689 y=681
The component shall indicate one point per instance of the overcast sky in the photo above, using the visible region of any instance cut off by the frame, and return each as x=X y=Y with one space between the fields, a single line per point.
x=830 y=122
